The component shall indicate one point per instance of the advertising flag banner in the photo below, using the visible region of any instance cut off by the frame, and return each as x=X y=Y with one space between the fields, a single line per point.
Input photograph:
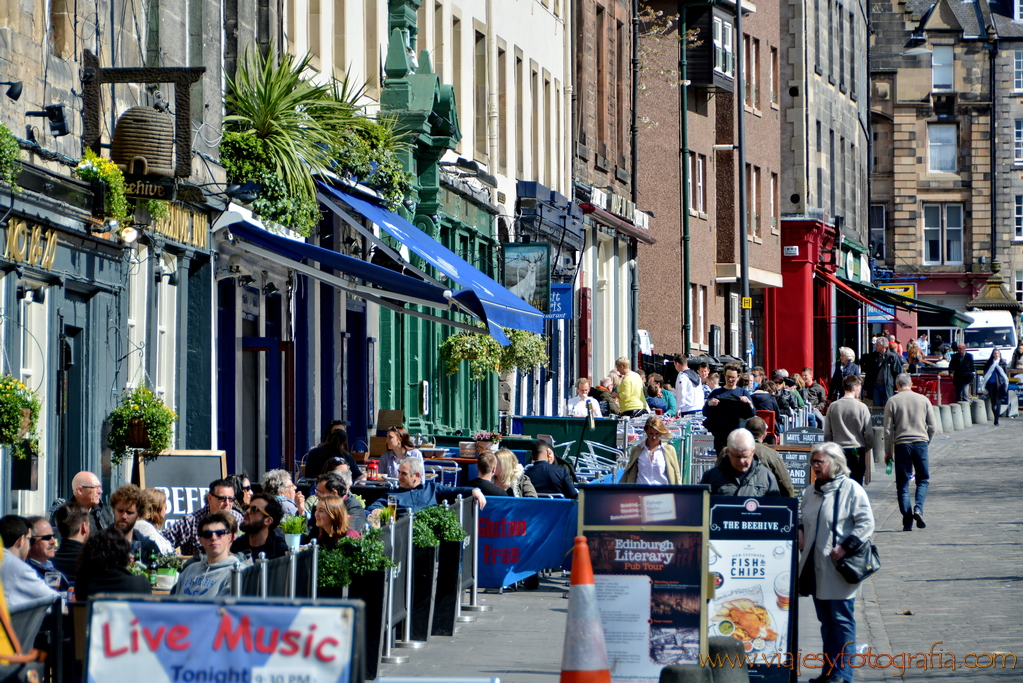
x=166 y=641
x=647 y=545
x=520 y=536
x=753 y=564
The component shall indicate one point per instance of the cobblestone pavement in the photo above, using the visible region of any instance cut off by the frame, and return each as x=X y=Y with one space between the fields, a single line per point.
x=961 y=578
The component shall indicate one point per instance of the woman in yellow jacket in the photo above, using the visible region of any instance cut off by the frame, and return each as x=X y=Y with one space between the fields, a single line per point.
x=652 y=462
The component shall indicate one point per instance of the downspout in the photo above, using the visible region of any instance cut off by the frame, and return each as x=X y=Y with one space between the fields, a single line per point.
x=492 y=127
x=992 y=55
x=687 y=313
x=740 y=129
x=634 y=137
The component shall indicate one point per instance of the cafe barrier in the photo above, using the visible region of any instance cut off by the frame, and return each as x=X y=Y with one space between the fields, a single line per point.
x=519 y=537
x=397 y=543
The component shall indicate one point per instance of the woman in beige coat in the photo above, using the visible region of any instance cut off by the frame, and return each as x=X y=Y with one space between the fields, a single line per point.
x=652 y=462
x=826 y=537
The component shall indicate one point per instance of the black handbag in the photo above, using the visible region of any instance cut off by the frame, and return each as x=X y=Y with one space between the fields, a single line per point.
x=854 y=567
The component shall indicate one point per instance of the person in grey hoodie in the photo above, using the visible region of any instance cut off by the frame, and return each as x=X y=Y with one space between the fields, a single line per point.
x=210 y=576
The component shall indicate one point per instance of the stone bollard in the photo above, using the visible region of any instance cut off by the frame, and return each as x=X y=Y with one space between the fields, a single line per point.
x=967 y=414
x=957 y=417
x=946 y=418
x=980 y=412
x=878 y=450
x=936 y=416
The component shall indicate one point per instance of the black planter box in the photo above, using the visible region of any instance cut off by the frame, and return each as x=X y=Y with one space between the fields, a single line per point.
x=449 y=592
x=424 y=588
x=371 y=588
x=25 y=474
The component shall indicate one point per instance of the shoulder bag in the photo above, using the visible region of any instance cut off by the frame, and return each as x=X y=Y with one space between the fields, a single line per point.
x=854 y=567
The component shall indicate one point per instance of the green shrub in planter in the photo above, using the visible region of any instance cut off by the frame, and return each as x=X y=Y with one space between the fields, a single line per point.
x=434 y=524
x=352 y=557
x=293 y=524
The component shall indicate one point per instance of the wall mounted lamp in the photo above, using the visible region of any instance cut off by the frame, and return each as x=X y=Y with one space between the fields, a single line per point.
x=13 y=92
x=54 y=113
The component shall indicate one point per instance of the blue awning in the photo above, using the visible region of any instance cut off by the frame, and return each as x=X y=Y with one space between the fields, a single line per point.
x=369 y=272
x=499 y=306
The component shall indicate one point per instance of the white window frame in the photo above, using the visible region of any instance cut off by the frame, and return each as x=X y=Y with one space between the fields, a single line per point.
x=689 y=181
x=945 y=234
x=701 y=197
x=1018 y=217
x=724 y=47
x=733 y=325
x=1017 y=141
x=942 y=68
x=1017 y=70
x=933 y=147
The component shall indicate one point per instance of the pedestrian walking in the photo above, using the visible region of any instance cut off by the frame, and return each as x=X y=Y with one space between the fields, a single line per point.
x=908 y=429
x=995 y=381
x=847 y=423
x=835 y=521
x=962 y=369
x=880 y=368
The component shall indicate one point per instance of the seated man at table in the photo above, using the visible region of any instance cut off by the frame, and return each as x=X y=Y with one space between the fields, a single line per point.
x=41 y=552
x=73 y=526
x=184 y=533
x=210 y=576
x=21 y=582
x=417 y=494
x=548 y=477
x=339 y=484
x=486 y=465
x=262 y=515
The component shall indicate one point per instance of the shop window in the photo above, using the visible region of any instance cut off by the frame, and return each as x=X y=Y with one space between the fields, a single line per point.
x=943 y=234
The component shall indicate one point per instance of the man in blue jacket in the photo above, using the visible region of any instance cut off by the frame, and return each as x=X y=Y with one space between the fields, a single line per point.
x=418 y=494
x=547 y=476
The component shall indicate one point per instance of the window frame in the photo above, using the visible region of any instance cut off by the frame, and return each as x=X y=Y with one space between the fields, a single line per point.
x=723 y=38
x=942 y=68
x=943 y=233
x=1018 y=217
x=931 y=145
x=1017 y=71
x=1017 y=142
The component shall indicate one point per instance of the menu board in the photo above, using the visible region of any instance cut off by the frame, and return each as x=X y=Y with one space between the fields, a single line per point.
x=797 y=460
x=752 y=559
x=648 y=549
x=802 y=436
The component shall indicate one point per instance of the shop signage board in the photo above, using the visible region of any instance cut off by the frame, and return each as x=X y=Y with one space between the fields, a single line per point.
x=264 y=641
x=753 y=560
x=647 y=545
x=797 y=460
x=184 y=476
x=802 y=436
x=527 y=272
x=561 y=302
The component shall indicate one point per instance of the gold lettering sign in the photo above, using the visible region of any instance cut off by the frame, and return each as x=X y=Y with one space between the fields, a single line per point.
x=184 y=226
x=141 y=189
x=31 y=244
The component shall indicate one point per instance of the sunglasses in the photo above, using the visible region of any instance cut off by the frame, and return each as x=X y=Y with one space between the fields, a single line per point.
x=47 y=537
x=225 y=499
x=210 y=533
x=246 y=488
x=255 y=508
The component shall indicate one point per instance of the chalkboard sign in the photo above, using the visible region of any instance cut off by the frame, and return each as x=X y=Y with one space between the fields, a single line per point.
x=797 y=460
x=802 y=436
x=184 y=476
x=877 y=417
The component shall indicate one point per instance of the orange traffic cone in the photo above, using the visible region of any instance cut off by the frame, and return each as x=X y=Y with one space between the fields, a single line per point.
x=584 y=659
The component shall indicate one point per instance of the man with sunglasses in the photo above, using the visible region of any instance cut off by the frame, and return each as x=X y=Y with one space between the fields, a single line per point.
x=88 y=492
x=184 y=533
x=262 y=515
x=21 y=582
x=41 y=552
x=210 y=576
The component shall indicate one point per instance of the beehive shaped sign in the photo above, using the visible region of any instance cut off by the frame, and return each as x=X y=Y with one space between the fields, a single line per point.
x=144 y=142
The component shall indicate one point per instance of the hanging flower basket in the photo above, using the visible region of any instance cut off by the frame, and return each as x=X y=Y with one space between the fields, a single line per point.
x=141 y=423
x=19 y=417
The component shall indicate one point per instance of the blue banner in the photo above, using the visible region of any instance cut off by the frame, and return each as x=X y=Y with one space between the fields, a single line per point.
x=520 y=536
x=561 y=302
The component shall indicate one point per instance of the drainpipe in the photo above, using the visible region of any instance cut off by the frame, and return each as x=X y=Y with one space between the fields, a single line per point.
x=740 y=141
x=687 y=313
x=992 y=55
x=634 y=137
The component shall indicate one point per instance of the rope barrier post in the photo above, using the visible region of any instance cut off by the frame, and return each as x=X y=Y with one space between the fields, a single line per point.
x=406 y=631
x=459 y=617
x=473 y=605
x=292 y=574
x=262 y=575
x=314 y=589
x=387 y=657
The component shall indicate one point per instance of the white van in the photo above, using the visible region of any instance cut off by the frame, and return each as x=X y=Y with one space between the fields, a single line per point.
x=990 y=330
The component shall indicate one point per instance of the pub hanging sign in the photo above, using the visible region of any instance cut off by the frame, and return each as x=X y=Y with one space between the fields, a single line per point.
x=31 y=244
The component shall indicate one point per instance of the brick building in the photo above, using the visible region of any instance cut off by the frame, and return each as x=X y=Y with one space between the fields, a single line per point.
x=710 y=302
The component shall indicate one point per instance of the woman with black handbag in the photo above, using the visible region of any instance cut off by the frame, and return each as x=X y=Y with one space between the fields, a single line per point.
x=836 y=525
